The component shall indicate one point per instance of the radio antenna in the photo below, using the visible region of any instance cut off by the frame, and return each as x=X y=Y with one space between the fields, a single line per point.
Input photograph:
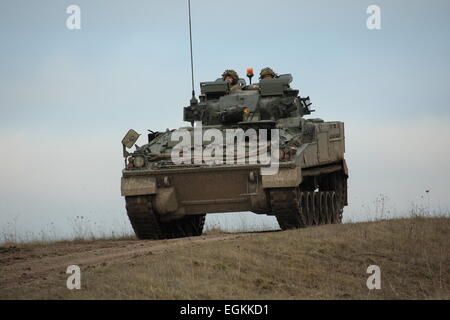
x=193 y=100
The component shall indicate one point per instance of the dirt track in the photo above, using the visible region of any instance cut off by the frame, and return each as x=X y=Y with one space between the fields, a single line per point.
x=24 y=264
x=324 y=262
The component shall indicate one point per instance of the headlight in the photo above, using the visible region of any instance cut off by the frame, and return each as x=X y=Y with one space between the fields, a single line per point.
x=139 y=161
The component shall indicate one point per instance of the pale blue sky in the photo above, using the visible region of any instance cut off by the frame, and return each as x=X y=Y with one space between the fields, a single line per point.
x=67 y=97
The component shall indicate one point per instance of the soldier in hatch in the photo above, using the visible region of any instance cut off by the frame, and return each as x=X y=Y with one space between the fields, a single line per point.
x=232 y=77
x=267 y=73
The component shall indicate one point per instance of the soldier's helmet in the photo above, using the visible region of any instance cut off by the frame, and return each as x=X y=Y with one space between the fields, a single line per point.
x=267 y=72
x=230 y=73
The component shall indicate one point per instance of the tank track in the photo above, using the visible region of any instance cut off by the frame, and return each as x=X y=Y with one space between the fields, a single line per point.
x=295 y=208
x=336 y=182
x=285 y=202
x=147 y=224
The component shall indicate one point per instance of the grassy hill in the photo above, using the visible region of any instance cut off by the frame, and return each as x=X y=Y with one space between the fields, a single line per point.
x=326 y=262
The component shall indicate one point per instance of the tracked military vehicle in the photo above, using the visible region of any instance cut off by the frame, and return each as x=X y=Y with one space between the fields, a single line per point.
x=168 y=199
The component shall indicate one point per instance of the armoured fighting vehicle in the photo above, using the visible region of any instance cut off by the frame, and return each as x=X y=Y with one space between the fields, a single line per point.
x=169 y=198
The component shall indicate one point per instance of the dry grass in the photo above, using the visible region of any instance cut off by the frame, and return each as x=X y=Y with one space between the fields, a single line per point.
x=326 y=262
